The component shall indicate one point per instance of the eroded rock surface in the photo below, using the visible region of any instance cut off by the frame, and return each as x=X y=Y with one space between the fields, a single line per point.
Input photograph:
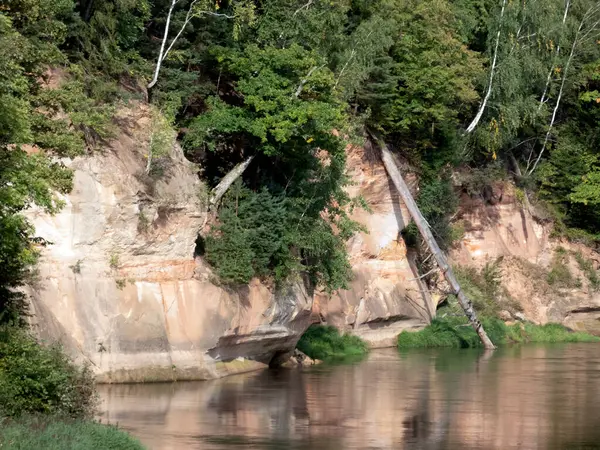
x=503 y=231
x=120 y=285
x=386 y=295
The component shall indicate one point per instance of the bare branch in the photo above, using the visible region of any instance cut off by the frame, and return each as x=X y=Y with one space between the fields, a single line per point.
x=303 y=82
x=162 y=55
x=543 y=99
x=435 y=269
x=303 y=7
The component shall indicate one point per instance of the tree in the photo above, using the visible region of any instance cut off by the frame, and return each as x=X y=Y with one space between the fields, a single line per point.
x=444 y=267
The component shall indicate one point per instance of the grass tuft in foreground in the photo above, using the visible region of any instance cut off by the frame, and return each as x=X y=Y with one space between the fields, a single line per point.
x=455 y=332
x=326 y=343
x=56 y=434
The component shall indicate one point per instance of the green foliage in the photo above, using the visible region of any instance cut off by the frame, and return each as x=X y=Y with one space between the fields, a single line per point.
x=437 y=202
x=326 y=343
x=262 y=234
x=586 y=266
x=161 y=143
x=560 y=275
x=37 y=378
x=25 y=180
x=114 y=261
x=483 y=287
x=60 y=434
x=453 y=331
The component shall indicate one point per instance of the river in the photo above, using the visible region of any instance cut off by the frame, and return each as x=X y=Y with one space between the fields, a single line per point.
x=528 y=397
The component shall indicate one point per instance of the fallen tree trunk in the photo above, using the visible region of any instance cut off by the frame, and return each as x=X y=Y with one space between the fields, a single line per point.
x=407 y=198
x=219 y=191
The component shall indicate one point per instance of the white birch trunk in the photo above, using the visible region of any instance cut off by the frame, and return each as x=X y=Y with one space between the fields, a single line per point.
x=162 y=45
x=477 y=118
x=162 y=55
x=543 y=99
x=560 y=94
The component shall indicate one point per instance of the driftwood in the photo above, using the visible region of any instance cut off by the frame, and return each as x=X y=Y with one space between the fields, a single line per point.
x=407 y=198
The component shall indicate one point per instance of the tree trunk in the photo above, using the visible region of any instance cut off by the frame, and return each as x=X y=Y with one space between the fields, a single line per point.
x=560 y=94
x=162 y=46
x=407 y=198
x=219 y=191
x=477 y=118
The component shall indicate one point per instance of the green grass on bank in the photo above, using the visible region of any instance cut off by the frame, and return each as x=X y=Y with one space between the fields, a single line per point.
x=55 y=434
x=326 y=343
x=455 y=332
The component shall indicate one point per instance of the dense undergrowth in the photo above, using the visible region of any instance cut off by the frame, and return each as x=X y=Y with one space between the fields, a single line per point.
x=47 y=401
x=453 y=331
x=326 y=343
x=62 y=434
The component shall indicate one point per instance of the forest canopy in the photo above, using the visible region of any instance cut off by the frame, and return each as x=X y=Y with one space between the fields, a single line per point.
x=501 y=89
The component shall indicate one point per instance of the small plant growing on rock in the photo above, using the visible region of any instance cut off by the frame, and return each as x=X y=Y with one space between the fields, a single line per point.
x=560 y=275
x=121 y=283
x=143 y=222
x=586 y=266
x=76 y=268
x=113 y=261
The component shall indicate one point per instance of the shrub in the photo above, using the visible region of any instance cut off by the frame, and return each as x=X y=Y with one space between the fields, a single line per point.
x=36 y=378
x=560 y=275
x=264 y=234
x=326 y=343
x=586 y=267
x=55 y=434
x=483 y=287
x=453 y=332
x=456 y=332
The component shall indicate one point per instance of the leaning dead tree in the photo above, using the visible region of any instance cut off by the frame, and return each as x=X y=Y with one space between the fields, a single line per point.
x=407 y=198
x=219 y=191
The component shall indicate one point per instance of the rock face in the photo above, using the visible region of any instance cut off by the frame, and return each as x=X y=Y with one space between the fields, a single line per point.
x=502 y=230
x=120 y=285
x=386 y=296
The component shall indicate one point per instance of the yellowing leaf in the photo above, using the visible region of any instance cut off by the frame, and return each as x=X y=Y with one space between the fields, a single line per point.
x=309 y=140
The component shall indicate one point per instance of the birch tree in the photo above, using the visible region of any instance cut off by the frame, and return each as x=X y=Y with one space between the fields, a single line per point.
x=488 y=93
x=197 y=8
x=588 y=29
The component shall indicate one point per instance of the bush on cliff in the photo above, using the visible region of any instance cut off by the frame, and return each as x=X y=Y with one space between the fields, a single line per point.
x=326 y=343
x=52 y=434
x=41 y=379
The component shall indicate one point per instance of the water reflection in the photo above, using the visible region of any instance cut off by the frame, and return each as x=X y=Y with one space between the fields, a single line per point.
x=522 y=397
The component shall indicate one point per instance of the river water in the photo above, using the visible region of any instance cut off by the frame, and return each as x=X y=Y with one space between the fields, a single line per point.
x=528 y=397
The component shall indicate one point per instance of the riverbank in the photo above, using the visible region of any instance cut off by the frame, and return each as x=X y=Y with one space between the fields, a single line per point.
x=455 y=332
x=51 y=433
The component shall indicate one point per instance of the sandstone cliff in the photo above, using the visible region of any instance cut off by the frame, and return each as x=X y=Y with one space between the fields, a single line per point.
x=501 y=229
x=121 y=287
